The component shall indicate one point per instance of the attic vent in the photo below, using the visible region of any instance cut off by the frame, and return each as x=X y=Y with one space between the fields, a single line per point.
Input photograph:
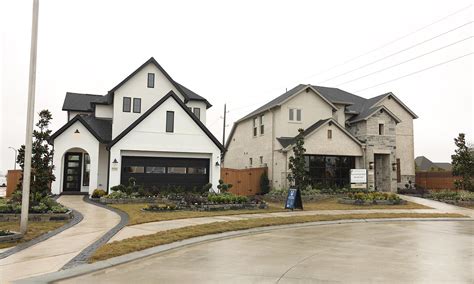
x=389 y=97
x=381 y=111
x=307 y=90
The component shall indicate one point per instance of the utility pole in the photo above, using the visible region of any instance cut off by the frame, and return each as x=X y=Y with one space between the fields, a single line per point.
x=223 y=126
x=25 y=200
x=16 y=154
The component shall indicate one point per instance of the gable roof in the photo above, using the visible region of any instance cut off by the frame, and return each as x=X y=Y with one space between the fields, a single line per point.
x=366 y=114
x=425 y=164
x=81 y=102
x=101 y=129
x=187 y=94
x=285 y=142
x=170 y=94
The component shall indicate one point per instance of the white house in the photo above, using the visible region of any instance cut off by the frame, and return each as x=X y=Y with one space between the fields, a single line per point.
x=148 y=127
x=342 y=131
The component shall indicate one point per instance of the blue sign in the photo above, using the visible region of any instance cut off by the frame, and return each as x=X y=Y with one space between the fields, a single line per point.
x=293 y=200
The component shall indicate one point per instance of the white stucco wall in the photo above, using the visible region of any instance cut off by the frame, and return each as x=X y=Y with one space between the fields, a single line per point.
x=340 y=115
x=104 y=111
x=136 y=87
x=150 y=138
x=201 y=106
x=69 y=141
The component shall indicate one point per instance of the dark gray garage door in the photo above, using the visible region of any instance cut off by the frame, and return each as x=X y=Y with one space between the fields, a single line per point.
x=151 y=171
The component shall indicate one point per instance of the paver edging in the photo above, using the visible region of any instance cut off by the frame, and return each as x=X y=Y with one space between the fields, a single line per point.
x=84 y=255
x=77 y=217
x=93 y=267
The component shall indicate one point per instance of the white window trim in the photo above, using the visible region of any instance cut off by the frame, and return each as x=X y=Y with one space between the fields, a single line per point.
x=295 y=115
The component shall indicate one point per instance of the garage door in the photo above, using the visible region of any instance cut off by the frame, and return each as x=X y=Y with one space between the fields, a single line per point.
x=151 y=171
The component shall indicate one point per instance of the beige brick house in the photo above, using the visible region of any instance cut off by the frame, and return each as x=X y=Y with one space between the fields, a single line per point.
x=342 y=132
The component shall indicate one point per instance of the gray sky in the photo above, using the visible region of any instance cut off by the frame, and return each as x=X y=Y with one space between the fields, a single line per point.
x=243 y=53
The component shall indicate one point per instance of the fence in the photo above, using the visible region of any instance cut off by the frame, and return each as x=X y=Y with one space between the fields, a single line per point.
x=244 y=181
x=13 y=179
x=435 y=180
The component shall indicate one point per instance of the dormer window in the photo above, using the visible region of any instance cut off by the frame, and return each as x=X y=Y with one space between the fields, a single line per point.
x=127 y=104
x=151 y=80
x=197 y=112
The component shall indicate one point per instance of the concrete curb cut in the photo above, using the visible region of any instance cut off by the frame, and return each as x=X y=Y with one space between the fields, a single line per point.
x=77 y=217
x=86 y=253
x=89 y=268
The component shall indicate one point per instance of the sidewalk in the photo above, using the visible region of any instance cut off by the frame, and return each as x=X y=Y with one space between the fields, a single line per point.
x=52 y=254
x=154 y=227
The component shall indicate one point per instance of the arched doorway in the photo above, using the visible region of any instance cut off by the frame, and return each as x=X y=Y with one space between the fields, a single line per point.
x=76 y=171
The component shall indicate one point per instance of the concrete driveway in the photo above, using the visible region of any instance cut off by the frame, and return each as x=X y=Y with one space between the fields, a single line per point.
x=397 y=252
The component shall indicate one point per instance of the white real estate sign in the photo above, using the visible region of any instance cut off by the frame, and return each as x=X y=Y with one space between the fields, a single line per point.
x=358 y=178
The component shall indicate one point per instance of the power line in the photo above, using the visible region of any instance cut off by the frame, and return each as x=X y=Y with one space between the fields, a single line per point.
x=416 y=72
x=406 y=61
x=398 y=52
x=390 y=42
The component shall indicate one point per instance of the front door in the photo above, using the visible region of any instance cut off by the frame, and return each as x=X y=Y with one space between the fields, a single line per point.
x=72 y=172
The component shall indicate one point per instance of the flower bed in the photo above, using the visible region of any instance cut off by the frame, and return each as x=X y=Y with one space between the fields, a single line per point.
x=206 y=207
x=42 y=208
x=371 y=198
x=461 y=197
x=37 y=217
x=106 y=200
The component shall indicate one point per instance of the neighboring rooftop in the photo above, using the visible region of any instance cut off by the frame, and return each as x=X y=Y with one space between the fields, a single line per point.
x=424 y=164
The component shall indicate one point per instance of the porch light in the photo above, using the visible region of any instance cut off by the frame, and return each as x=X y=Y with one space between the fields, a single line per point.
x=217 y=164
x=77 y=131
x=115 y=164
x=394 y=166
x=371 y=165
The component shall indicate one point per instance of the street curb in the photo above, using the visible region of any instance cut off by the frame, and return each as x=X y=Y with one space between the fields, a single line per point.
x=86 y=253
x=93 y=267
x=77 y=217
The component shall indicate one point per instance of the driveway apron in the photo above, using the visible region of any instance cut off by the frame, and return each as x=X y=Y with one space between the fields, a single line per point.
x=52 y=254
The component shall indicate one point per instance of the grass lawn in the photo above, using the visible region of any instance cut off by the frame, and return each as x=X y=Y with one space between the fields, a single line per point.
x=35 y=229
x=138 y=216
x=118 y=248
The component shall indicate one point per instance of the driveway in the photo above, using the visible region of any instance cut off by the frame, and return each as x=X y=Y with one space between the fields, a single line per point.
x=391 y=252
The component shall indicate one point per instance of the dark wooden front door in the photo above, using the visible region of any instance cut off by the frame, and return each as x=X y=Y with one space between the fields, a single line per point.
x=72 y=172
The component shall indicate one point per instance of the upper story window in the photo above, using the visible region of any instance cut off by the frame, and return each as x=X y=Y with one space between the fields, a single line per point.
x=127 y=104
x=170 y=121
x=255 y=127
x=381 y=129
x=294 y=114
x=250 y=162
x=262 y=127
x=197 y=112
x=137 y=105
x=151 y=80
x=329 y=134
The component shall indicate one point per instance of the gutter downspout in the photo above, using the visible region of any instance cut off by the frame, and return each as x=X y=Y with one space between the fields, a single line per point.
x=273 y=146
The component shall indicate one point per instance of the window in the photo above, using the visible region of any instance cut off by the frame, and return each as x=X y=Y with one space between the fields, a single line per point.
x=329 y=171
x=155 y=170
x=176 y=170
x=298 y=115
x=137 y=105
x=329 y=134
x=381 y=129
x=261 y=160
x=255 y=129
x=151 y=80
x=87 y=170
x=170 y=121
x=197 y=112
x=127 y=104
x=250 y=161
x=135 y=170
x=291 y=115
x=262 y=127
x=294 y=114
x=197 y=171
x=399 y=174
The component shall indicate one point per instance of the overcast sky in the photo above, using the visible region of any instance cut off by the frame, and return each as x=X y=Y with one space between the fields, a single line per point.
x=244 y=53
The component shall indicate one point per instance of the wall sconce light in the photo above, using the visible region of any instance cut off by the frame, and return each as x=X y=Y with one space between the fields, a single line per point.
x=77 y=131
x=371 y=165
x=394 y=166
x=217 y=164
x=115 y=164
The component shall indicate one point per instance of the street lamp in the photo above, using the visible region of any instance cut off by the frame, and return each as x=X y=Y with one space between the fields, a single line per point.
x=16 y=154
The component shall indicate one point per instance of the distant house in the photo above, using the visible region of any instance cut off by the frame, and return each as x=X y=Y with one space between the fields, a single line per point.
x=148 y=127
x=424 y=164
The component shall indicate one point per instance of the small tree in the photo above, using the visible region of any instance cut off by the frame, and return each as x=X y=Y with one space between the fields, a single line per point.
x=223 y=187
x=298 y=175
x=41 y=160
x=264 y=183
x=463 y=164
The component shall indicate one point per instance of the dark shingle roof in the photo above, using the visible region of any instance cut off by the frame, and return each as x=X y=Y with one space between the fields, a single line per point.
x=286 y=141
x=193 y=96
x=81 y=102
x=100 y=128
x=425 y=164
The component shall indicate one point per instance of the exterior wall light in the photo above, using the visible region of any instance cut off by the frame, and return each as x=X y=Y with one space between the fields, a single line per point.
x=371 y=165
x=394 y=166
x=217 y=164
x=77 y=131
x=115 y=164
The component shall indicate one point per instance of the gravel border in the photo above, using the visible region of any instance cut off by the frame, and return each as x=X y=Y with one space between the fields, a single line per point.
x=77 y=217
x=100 y=265
x=86 y=253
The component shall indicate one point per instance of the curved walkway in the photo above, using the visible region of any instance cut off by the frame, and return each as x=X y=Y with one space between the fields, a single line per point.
x=51 y=255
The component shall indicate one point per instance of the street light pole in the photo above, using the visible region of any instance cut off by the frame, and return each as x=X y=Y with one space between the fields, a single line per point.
x=16 y=154
x=25 y=200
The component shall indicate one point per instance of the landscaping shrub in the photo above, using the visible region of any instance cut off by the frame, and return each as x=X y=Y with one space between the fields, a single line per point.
x=119 y=187
x=264 y=183
x=227 y=198
x=462 y=195
x=223 y=187
x=45 y=204
x=373 y=196
x=164 y=207
x=117 y=195
x=194 y=199
x=98 y=193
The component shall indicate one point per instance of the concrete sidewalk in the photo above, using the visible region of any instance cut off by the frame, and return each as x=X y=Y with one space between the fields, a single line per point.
x=154 y=227
x=52 y=254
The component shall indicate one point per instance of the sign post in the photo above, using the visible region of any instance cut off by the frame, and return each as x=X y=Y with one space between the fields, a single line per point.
x=293 y=200
x=359 y=178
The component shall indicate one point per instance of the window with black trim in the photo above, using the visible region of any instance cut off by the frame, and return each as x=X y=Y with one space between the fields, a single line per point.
x=170 y=121
x=197 y=112
x=127 y=104
x=137 y=105
x=86 y=170
x=151 y=80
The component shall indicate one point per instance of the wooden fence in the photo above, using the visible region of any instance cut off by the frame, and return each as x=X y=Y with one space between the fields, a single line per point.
x=244 y=181
x=13 y=179
x=435 y=180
